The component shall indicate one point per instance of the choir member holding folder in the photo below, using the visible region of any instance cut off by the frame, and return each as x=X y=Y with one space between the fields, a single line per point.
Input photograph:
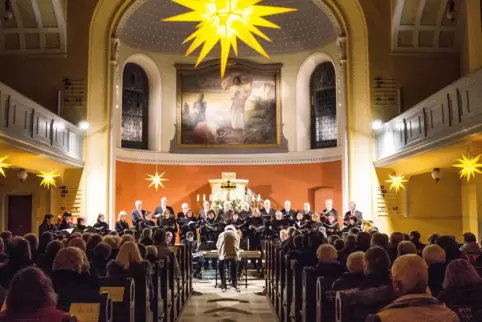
x=187 y=223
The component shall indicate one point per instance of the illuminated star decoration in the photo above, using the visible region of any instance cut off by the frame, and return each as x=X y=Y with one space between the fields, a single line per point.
x=225 y=21
x=156 y=180
x=468 y=166
x=3 y=165
x=48 y=178
x=396 y=182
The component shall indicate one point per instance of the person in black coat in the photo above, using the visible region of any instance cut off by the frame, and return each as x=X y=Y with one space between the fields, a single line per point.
x=159 y=211
x=434 y=256
x=329 y=209
x=353 y=212
x=331 y=225
x=355 y=275
x=187 y=223
x=287 y=212
x=240 y=224
x=277 y=224
x=47 y=225
x=301 y=222
x=147 y=223
x=19 y=258
x=80 y=227
x=257 y=228
x=98 y=264
x=66 y=219
x=168 y=223
x=328 y=265
x=70 y=284
x=101 y=225
x=122 y=225
x=245 y=213
x=267 y=213
x=138 y=214
x=377 y=268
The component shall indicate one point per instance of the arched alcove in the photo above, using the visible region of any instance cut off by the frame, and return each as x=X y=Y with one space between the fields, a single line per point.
x=155 y=97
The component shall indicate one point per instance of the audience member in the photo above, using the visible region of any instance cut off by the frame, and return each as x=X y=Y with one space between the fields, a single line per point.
x=91 y=243
x=151 y=254
x=450 y=246
x=350 y=247
x=6 y=236
x=51 y=252
x=377 y=268
x=363 y=240
x=406 y=247
x=409 y=281
x=339 y=244
x=126 y=238
x=146 y=238
x=380 y=240
x=3 y=256
x=31 y=298
x=19 y=258
x=462 y=287
x=33 y=241
x=395 y=239
x=434 y=256
x=470 y=246
x=69 y=283
x=432 y=238
x=415 y=239
x=86 y=236
x=98 y=264
x=44 y=239
x=355 y=275
x=328 y=265
x=114 y=242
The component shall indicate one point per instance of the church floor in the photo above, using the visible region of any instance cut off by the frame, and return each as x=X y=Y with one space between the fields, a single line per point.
x=209 y=304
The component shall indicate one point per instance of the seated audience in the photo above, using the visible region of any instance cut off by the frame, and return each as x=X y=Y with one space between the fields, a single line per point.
x=44 y=239
x=415 y=239
x=146 y=238
x=450 y=246
x=363 y=241
x=114 y=243
x=355 y=275
x=462 y=287
x=31 y=298
x=3 y=256
x=126 y=238
x=86 y=236
x=160 y=242
x=434 y=256
x=380 y=240
x=470 y=246
x=288 y=245
x=395 y=239
x=410 y=278
x=19 y=258
x=350 y=247
x=33 y=241
x=94 y=239
x=6 y=236
x=69 y=283
x=406 y=247
x=328 y=265
x=339 y=244
x=151 y=254
x=432 y=238
x=300 y=251
x=51 y=252
x=98 y=264
x=377 y=268
x=129 y=263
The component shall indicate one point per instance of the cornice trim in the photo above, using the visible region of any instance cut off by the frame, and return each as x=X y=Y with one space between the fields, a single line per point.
x=305 y=157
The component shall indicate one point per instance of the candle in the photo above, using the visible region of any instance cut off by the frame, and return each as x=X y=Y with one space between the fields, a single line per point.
x=204 y=197
x=197 y=198
x=210 y=197
x=259 y=197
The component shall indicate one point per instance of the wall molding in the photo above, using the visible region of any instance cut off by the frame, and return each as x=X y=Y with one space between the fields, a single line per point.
x=152 y=157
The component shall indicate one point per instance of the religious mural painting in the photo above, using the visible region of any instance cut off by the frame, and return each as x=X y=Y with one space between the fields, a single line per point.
x=240 y=110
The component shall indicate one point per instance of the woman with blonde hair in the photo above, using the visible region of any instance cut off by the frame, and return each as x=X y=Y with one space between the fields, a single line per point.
x=129 y=263
x=122 y=225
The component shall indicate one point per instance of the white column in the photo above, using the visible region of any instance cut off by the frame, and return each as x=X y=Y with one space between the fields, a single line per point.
x=342 y=118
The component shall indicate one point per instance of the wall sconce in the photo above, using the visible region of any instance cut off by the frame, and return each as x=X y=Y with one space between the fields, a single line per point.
x=436 y=174
x=22 y=175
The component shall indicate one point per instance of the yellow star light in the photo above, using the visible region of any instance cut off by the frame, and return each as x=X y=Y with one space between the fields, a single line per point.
x=396 y=182
x=468 y=166
x=3 y=165
x=48 y=178
x=156 y=180
x=225 y=21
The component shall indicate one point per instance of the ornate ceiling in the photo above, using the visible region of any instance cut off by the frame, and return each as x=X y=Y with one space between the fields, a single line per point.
x=305 y=29
x=424 y=26
x=35 y=27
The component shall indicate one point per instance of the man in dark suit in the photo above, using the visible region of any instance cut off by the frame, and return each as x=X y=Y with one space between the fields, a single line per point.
x=307 y=211
x=159 y=210
x=185 y=209
x=138 y=214
x=224 y=214
x=353 y=212
x=267 y=213
x=287 y=212
x=329 y=209
x=204 y=212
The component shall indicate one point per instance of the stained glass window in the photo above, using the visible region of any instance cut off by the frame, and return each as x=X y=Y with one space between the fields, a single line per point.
x=324 y=131
x=135 y=107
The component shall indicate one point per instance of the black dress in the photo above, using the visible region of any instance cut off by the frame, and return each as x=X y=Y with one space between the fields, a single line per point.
x=120 y=226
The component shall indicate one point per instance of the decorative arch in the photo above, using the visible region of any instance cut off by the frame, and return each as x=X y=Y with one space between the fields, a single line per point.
x=155 y=97
x=99 y=174
x=303 y=104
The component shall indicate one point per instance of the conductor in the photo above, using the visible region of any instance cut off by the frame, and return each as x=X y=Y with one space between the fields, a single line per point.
x=228 y=249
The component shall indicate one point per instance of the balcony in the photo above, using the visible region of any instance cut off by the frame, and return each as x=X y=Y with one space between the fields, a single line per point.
x=29 y=126
x=442 y=119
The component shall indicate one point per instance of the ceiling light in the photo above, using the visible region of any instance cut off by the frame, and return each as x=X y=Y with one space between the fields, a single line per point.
x=156 y=180
x=225 y=21
x=377 y=124
x=468 y=166
x=396 y=182
x=48 y=178
x=3 y=165
x=84 y=125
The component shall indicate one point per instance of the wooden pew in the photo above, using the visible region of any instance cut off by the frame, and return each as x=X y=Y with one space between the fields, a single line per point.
x=272 y=274
x=101 y=312
x=267 y=275
x=181 y=253
x=467 y=313
x=165 y=291
x=174 y=289
x=288 y=290
x=122 y=294
x=348 y=311
x=158 y=309
x=297 y=293
x=277 y=278
x=324 y=308
x=282 y=285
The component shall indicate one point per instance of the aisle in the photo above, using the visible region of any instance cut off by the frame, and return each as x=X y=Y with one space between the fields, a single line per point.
x=209 y=304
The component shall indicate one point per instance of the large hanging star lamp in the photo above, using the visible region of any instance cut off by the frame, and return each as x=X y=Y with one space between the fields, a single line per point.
x=468 y=166
x=3 y=165
x=396 y=182
x=156 y=180
x=48 y=179
x=225 y=21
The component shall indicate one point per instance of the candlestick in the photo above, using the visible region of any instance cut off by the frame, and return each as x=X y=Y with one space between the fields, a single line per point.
x=259 y=197
x=197 y=198
x=204 y=197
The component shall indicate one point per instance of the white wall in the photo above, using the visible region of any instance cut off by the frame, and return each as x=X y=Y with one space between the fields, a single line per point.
x=295 y=112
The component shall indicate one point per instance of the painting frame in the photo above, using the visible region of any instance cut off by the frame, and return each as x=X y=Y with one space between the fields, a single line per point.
x=248 y=67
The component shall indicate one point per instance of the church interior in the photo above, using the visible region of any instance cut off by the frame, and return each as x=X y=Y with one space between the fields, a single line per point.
x=372 y=104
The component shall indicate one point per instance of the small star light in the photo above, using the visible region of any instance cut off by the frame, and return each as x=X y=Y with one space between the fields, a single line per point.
x=3 y=165
x=225 y=21
x=468 y=166
x=396 y=182
x=156 y=180
x=48 y=178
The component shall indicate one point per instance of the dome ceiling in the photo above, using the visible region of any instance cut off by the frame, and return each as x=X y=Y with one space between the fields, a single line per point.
x=305 y=29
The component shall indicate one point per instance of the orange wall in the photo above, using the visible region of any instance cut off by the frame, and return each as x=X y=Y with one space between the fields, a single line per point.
x=296 y=182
